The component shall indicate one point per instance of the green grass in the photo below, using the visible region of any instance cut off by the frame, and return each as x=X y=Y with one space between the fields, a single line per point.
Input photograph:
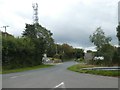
x=78 y=68
x=25 y=69
x=0 y=70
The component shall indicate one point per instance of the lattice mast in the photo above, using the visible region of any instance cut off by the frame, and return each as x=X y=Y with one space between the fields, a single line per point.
x=35 y=13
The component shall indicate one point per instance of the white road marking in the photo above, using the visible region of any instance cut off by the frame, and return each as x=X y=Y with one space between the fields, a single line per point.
x=60 y=85
x=14 y=77
x=17 y=76
x=23 y=75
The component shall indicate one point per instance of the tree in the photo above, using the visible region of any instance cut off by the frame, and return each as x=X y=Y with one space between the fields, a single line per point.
x=79 y=53
x=89 y=51
x=103 y=46
x=116 y=56
x=68 y=51
x=27 y=50
x=107 y=51
x=118 y=33
x=42 y=39
x=65 y=51
x=36 y=32
x=99 y=38
x=30 y=31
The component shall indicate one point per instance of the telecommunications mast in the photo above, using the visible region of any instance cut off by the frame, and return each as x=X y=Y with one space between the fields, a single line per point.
x=35 y=13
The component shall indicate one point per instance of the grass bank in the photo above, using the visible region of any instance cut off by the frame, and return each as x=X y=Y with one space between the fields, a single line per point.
x=0 y=70
x=78 y=68
x=25 y=69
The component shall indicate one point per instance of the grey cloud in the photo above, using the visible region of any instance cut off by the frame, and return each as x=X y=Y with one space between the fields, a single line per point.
x=77 y=22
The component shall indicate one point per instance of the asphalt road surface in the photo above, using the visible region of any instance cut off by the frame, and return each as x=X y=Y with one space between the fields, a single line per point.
x=56 y=76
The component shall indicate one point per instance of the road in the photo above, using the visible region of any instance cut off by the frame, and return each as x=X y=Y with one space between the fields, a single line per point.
x=54 y=76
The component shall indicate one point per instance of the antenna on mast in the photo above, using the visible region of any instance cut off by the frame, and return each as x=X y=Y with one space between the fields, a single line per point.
x=35 y=13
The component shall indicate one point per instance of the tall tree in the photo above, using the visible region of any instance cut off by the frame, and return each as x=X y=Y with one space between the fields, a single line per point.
x=30 y=31
x=36 y=31
x=118 y=33
x=107 y=51
x=41 y=37
x=99 y=38
x=67 y=50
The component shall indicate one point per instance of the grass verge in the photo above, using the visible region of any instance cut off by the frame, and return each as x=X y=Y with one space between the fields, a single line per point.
x=0 y=69
x=25 y=69
x=78 y=68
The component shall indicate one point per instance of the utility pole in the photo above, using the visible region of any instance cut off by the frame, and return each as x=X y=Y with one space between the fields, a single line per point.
x=5 y=29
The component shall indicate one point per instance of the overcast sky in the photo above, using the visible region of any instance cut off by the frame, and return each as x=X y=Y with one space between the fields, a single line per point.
x=70 y=21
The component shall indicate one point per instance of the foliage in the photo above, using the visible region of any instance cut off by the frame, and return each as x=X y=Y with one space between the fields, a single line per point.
x=17 y=52
x=79 y=60
x=56 y=56
x=42 y=38
x=65 y=51
x=116 y=57
x=27 y=50
x=78 y=53
x=89 y=51
x=118 y=33
x=107 y=51
x=99 y=38
x=30 y=31
x=51 y=50
x=40 y=34
x=103 y=47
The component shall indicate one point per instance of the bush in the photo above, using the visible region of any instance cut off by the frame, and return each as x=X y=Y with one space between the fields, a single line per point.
x=79 y=60
x=19 y=52
x=56 y=56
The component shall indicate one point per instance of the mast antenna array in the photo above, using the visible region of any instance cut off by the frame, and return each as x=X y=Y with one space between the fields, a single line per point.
x=35 y=13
